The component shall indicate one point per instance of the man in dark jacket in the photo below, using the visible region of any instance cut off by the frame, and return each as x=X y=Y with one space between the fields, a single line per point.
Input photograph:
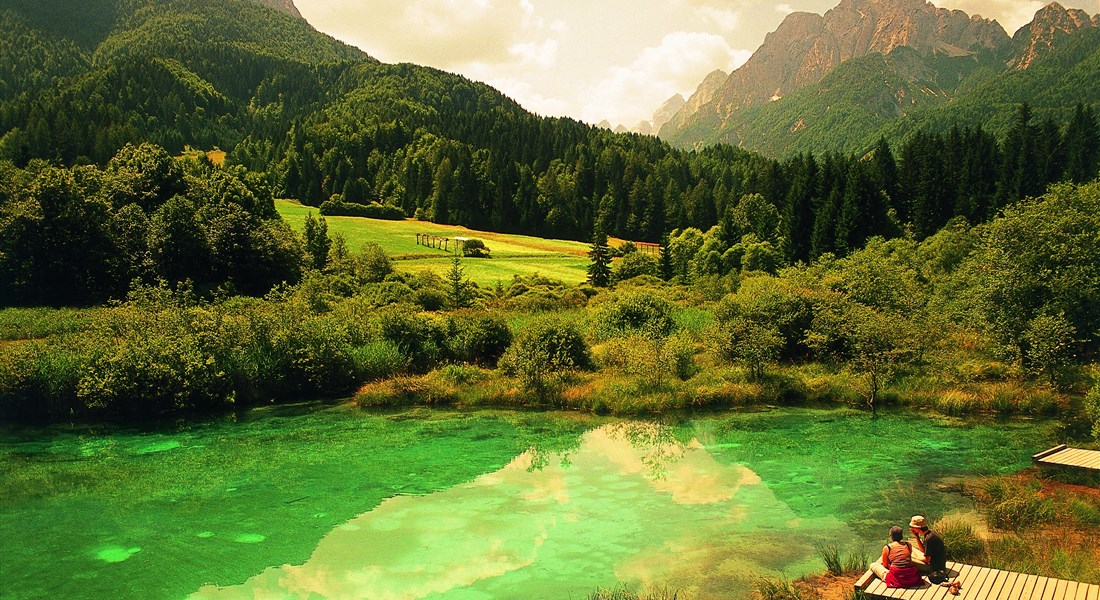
x=930 y=544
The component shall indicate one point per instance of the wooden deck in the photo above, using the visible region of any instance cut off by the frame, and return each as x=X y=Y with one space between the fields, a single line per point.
x=980 y=583
x=1064 y=456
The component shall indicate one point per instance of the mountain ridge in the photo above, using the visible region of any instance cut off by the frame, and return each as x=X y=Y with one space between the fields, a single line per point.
x=951 y=48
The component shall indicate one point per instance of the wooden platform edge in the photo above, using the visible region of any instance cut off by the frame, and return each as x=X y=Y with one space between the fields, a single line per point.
x=861 y=583
x=1046 y=453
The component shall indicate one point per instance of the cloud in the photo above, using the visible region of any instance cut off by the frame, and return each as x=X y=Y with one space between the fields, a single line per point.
x=445 y=33
x=784 y=9
x=524 y=91
x=1011 y=14
x=630 y=94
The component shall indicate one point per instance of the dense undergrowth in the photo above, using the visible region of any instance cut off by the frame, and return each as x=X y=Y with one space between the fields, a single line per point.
x=956 y=323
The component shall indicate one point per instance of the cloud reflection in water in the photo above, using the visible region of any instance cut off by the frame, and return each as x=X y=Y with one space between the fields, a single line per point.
x=631 y=504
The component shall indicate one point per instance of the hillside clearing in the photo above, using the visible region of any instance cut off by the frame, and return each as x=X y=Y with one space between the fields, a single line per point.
x=511 y=254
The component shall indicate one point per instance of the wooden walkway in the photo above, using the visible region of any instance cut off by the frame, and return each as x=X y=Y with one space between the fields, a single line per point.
x=980 y=583
x=1063 y=456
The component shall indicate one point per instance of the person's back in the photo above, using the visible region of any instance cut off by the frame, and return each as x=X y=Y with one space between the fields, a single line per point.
x=896 y=568
x=935 y=551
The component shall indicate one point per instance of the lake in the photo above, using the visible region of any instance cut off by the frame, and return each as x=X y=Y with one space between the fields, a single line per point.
x=322 y=501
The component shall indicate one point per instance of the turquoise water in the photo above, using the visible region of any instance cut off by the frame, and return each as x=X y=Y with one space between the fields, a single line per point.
x=331 y=502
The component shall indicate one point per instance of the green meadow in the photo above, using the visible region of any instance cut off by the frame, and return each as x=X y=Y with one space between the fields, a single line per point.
x=511 y=254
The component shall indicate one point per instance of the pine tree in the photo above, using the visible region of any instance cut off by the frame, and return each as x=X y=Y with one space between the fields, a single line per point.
x=1082 y=145
x=599 y=272
x=667 y=269
x=458 y=285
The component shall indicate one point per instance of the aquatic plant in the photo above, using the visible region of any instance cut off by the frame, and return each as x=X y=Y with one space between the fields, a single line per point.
x=781 y=589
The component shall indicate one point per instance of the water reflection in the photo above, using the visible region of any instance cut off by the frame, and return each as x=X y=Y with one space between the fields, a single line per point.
x=632 y=503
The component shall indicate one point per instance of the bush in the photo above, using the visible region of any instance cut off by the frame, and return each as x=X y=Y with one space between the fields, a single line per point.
x=154 y=372
x=475 y=248
x=39 y=380
x=633 y=313
x=420 y=336
x=1092 y=409
x=315 y=356
x=337 y=206
x=543 y=351
x=480 y=339
x=633 y=264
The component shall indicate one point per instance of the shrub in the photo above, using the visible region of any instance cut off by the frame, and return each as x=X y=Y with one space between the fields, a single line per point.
x=152 y=372
x=633 y=313
x=1092 y=409
x=337 y=206
x=461 y=374
x=386 y=293
x=633 y=264
x=475 y=248
x=420 y=336
x=480 y=339
x=315 y=355
x=39 y=380
x=545 y=349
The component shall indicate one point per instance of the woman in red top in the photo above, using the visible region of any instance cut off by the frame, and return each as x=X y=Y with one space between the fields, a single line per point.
x=897 y=568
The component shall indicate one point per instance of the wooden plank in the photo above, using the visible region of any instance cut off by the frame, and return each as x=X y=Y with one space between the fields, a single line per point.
x=993 y=588
x=1071 y=590
x=876 y=587
x=1059 y=589
x=865 y=579
x=1073 y=456
x=1044 y=589
x=1008 y=585
x=980 y=581
x=1059 y=592
x=1016 y=592
x=1093 y=593
x=1029 y=590
x=1048 y=452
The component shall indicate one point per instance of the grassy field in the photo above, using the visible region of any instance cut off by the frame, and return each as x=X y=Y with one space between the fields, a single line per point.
x=511 y=254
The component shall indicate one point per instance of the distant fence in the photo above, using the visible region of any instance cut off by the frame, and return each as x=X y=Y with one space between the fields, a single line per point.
x=648 y=248
x=440 y=242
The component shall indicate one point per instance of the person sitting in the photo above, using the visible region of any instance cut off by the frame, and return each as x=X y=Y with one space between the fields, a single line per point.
x=929 y=556
x=896 y=567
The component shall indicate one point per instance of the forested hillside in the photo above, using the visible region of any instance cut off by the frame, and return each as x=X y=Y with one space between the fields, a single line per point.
x=327 y=123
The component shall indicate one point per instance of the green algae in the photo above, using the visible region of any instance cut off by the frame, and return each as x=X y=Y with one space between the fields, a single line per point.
x=472 y=505
x=116 y=554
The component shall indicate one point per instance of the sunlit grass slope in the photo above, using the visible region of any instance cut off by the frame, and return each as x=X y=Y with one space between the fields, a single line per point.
x=511 y=254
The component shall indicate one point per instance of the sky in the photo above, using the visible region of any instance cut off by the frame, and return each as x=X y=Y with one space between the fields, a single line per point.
x=592 y=60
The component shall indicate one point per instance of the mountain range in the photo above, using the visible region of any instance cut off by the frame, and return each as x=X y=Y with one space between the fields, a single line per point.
x=85 y=82
x=872 y=68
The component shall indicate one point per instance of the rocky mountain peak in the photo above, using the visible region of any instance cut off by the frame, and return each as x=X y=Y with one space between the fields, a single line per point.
x=1051 y=22
x=667 y=111
x=806 y=47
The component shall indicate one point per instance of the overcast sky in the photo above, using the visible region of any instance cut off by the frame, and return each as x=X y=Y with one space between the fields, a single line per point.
x=589 y=59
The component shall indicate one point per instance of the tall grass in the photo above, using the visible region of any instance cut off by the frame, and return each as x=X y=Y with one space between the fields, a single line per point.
x=839 y=563
x=39 y=323
x=623 y=593
x=781 y=589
